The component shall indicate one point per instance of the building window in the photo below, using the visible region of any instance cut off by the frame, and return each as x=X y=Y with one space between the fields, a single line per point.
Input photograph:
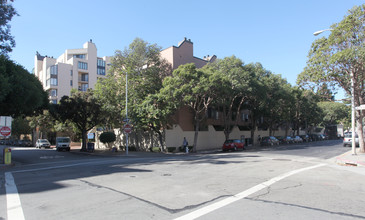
x=71 y=73
x=54 y=101
x=80 y=56
x=53 y=92
x=101 y=71
x=100 y=67
x=101 y=62
x=52 y=76
x=54 y=82
x=83 y=87
x=84 y=78
x=212 y=113
x=82 y=65
x=244 y=117
x=70 y=82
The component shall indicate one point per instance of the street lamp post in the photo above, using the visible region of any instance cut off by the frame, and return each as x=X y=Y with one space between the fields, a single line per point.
x=352 y=101
x=126 y=108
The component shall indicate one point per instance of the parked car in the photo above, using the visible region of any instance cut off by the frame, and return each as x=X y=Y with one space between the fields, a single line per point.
x=42 y=143
x=323 y=137
x=19 y=143
x=2 y=142
x=347 y=140
x=26 y=143
x=288 y=140
x=13 y=142
x=233 y=144
x=305 y=138
x=281 y=139
x=314 y=137
x=63 y=143
x=269 y=140
x=297 y=139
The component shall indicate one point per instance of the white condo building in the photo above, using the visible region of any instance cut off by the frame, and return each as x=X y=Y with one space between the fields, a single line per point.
x=75 y=69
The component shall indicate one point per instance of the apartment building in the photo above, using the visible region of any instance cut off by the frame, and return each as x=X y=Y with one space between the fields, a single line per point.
x=183 y=54
x=75 y=69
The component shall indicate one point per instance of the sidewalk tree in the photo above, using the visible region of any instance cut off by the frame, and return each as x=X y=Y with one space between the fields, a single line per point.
x=191 y=87
x=234 y=86
x=340 y=58
x=334 y=113
x=146 y=71
x=82 y=110
x=21 y=93
x=20 y=126
x=277 y=101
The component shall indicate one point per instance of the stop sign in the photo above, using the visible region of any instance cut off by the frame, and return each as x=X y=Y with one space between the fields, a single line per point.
x=127 y=128
x=5 y=131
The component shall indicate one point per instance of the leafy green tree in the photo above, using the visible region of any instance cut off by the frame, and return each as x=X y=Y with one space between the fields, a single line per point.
x=256 y=102
x=233 y=86
x=21 y=93
x=340 y=59
x=82 y=110
x=146 y=71
x=191 y=87
x=334 y=113
x=306 y=113
x=20 y=125
x=7 y=12
x=277 y=101
x=110 y=94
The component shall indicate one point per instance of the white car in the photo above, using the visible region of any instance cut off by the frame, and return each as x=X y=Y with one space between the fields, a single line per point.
x=42 y=143
x=63 y=143
x=347 y=140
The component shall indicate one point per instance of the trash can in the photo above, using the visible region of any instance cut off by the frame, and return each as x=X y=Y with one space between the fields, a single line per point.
x=90 y=147
x=7 y=155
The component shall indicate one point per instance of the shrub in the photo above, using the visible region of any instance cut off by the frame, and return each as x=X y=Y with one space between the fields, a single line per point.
x=107 y=138
x=171 y=149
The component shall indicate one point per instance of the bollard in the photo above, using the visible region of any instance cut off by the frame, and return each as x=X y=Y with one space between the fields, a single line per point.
x=7 y=155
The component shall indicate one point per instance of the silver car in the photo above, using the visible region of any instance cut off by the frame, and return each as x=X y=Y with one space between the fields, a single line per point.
x=42 y=143
x=347 y=140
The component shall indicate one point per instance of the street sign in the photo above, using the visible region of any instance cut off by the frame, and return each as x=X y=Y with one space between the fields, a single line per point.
x=127 y=128
x=5 y=131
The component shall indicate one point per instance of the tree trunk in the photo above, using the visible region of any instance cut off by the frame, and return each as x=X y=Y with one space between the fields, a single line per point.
x=359 y=129
x=196 y=136
x=84 y=139
x=160 y=138
x=253 y=131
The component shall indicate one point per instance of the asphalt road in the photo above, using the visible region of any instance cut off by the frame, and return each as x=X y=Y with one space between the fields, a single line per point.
x=288 y=182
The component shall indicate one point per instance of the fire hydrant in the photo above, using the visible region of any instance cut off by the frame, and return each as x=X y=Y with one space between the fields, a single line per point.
x=7 y=156
x=186 y=149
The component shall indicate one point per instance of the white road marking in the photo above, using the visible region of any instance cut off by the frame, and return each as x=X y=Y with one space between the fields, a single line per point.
x=14 y=207
x=207 y=209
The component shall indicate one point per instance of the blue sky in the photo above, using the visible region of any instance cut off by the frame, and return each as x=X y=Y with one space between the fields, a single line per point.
x=278 y=34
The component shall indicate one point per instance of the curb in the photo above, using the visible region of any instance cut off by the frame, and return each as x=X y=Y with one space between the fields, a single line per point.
x=340 y=160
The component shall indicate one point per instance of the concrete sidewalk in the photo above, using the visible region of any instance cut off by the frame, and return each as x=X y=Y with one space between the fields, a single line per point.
x=348 y=159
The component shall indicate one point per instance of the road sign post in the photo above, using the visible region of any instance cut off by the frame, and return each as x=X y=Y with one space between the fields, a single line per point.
x=5 y=131
x=127 y=130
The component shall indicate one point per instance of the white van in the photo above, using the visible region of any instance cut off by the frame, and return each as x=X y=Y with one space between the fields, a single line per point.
x=63 y=143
